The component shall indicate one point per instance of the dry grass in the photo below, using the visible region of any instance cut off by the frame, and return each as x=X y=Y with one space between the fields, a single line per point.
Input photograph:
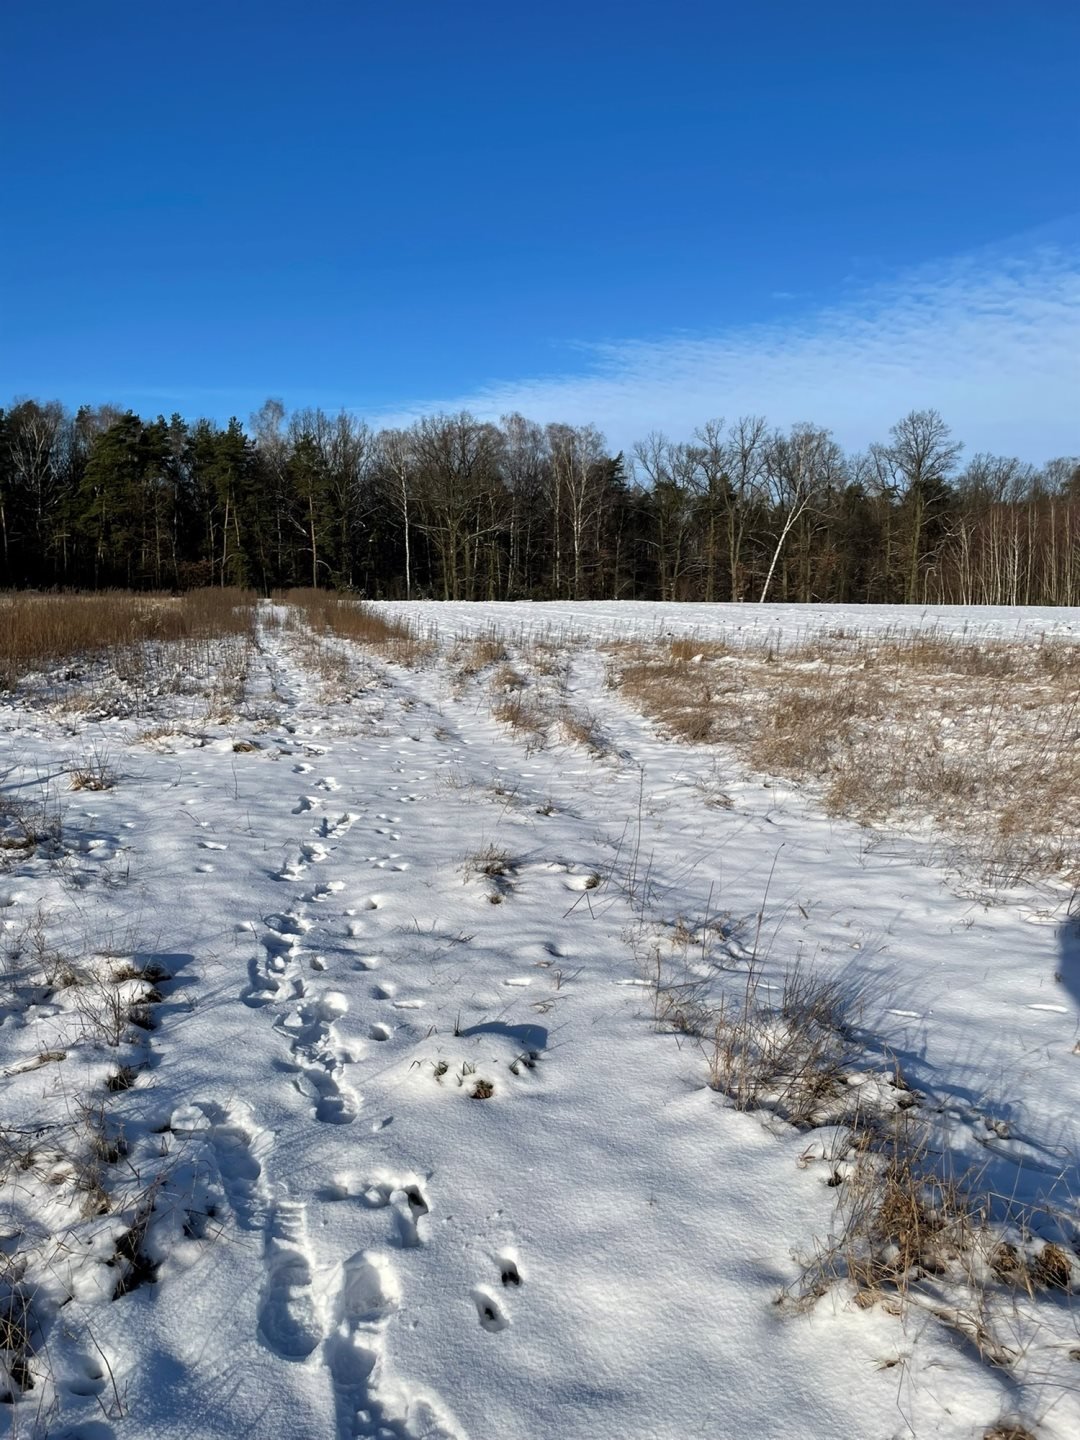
x=329 y=613
x=26 y=826
x=547 y=658
x=582 y=727
x=341 y=670
x=39 y=632
x=469 y=656
x=679 y=695
x=523 y=714
x=527 y=688
x=489 y=860
x=496 y=865
x=788 y=1053
x=71 y=1166
x=93 y=772
x=982 y=741
x=910 y=1234
x=16 y=1329
x=506 y=678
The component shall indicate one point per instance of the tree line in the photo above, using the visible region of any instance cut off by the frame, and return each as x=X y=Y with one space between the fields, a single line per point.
x=461 y=508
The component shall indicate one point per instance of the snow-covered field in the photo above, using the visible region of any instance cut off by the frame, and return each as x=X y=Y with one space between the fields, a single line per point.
x=419 y=1141
x=612 y=618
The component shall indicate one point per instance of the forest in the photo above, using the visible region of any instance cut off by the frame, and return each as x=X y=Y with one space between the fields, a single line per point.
x=456 y=507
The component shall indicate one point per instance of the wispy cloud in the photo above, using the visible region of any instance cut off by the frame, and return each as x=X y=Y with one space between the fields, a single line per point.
x=992 y=341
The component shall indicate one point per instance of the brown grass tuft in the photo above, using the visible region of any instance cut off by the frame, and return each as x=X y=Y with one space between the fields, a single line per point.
x=522 y=714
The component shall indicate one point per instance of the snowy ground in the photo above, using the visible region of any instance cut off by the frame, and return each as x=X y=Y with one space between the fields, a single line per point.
x=593 y=619
x=405 y=1153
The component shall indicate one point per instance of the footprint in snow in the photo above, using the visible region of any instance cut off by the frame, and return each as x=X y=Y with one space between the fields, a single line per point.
x=387 y=862
x=509 y=1271
x=323 y=892
x=408 y=1199
x=89 y=1384
x=337 y=1104
x=289 y=1320
x=309 y=853
x=490 y=1312
x=333 y=829
x=287 y=924
x=235 y=1147
x=365 y=1404
x=370 y=1291
x=267 y=975
x=320 y=1061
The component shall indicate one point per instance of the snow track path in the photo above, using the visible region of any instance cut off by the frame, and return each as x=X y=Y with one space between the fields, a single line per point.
x=443 y=1178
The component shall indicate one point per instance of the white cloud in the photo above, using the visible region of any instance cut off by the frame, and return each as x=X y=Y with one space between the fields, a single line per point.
x=992 y=341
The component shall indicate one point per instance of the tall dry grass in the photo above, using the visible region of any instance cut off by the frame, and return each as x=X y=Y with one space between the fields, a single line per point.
x=331 y=614
x=980 y=741
x=38 y=632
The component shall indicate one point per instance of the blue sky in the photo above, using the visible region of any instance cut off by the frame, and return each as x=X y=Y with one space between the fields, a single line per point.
x=640 y=213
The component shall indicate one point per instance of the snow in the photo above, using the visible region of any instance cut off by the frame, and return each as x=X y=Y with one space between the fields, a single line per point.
x=622 y=618
x=350 y=1239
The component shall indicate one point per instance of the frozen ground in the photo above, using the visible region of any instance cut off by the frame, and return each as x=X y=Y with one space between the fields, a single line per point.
x=405 y=1153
